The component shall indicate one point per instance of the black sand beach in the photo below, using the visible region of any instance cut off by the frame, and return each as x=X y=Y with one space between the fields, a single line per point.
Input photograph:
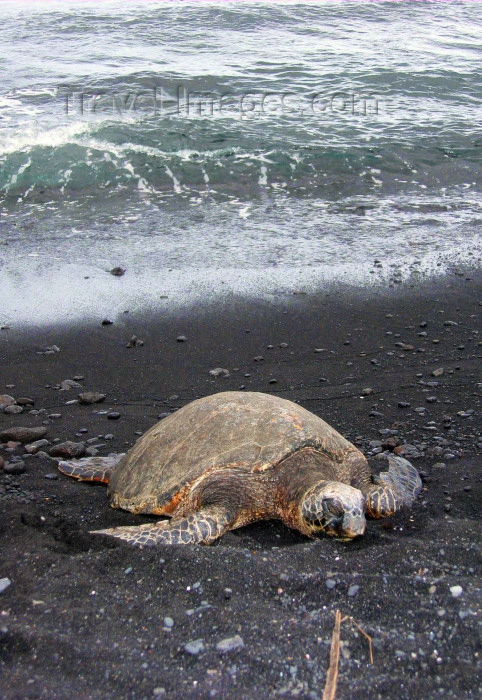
x=89 y=617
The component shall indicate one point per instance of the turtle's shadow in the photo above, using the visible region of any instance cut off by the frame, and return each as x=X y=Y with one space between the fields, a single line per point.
x=263 y=535
x=272 y=534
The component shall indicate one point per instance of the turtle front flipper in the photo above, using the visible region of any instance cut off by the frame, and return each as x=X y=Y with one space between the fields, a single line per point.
x=391 y=490
x=98 y=469
x=203 y=527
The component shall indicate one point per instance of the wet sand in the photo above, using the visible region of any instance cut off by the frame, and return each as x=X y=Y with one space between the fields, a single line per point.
x=88 y=617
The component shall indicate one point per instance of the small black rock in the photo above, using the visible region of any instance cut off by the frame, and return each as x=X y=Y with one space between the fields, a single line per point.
x=113 y=415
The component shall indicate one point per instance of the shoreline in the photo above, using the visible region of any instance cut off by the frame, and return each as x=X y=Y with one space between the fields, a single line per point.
x=62 y=288
x=73 y=597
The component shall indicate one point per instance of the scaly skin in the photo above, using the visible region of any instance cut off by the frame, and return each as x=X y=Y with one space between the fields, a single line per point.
x=202 y=527
x=334 y=508
x=98 y=469
x=391 y=490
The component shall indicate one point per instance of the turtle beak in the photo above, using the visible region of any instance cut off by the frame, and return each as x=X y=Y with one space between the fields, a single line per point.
x=352 y=525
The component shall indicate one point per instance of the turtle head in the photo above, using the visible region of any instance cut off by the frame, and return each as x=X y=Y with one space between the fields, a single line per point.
x=334 y=508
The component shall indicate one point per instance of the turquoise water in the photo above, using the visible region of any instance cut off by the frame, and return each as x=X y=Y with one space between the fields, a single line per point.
x=238 y=136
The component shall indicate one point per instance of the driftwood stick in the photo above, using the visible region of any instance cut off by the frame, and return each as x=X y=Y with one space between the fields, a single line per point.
x=329 y=691
x=332 y=675
x=367 y=637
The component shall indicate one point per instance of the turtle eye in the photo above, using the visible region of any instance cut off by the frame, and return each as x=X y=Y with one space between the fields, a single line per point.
x=333 y=506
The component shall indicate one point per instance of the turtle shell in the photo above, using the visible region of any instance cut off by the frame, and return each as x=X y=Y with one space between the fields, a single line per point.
x=242 y=430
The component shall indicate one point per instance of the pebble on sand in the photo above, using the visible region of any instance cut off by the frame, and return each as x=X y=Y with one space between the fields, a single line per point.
x=14 y=467
x=90 y=397
x=50 y=350
x=219 y=372
x=67 y=449
x=117 y=271
x=230 y=644
x=22 y=434
x=6 y=400
x=33 y=447
x=390 y=443
x=456 y=591
x=194 y=648
x=25 y=401
x=4 y=584
x=68 y=384
x=13 y=409
x=134 y=342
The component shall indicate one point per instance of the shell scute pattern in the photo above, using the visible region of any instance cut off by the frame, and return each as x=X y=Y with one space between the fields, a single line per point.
x=250 y=431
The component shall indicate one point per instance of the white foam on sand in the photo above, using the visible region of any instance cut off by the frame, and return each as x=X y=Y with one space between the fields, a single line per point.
x=54 y=264
x=36 y=293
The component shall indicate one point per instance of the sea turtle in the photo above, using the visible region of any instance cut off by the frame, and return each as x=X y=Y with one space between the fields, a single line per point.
x=233 y=458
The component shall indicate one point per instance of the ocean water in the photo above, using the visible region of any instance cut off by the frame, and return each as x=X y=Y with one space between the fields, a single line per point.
x=213 y=148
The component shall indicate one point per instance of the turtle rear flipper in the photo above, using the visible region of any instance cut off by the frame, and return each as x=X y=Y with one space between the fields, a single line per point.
x=98 y=469
x=392 y=490
x=204 y=527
